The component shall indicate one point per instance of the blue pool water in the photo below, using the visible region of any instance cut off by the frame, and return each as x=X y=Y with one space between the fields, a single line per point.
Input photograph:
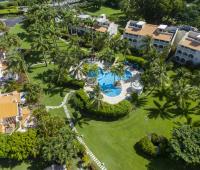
x=107 y=81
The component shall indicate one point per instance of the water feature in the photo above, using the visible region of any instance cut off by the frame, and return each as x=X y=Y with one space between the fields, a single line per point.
x=107 y=81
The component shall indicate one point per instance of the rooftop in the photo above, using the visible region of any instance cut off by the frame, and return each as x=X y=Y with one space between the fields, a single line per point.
x=191 y=40
x=150 y=30
x=9 y=104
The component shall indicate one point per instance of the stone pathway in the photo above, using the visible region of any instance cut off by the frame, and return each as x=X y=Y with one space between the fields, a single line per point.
x=88 y=151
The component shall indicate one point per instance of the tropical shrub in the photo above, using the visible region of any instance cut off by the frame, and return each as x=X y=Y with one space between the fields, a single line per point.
x=184 y=144
x=76 y=84
x=81 y=101
x=153 y=145
x=138 y=60
x=146 y=146
x=111 y=112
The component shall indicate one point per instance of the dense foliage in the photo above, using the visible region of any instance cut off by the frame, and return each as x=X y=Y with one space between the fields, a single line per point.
x=176 y=11
x=81 y=101
x=184 y=144
x=153 y=145
x=19 y=146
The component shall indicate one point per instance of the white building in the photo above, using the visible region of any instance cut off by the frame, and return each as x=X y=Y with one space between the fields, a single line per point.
x=162 y=35
x=101 y=24
x=188 y=50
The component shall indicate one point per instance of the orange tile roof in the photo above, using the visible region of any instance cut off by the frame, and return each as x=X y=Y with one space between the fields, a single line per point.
x=190 y=44
x=149 y=30
x=9 y=104
x=10 y=97
x=25 y=113
x=8 y=110
x=101 y=29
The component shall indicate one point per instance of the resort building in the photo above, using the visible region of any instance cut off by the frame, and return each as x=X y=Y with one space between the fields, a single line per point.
x=101 y=24
x=162 y=35
x=188 y=49
x=12 y=113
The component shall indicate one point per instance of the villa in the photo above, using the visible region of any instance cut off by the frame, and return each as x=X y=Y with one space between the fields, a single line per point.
x=102 y=24
x=12 y=113
x=162 y=35
x=188 y=50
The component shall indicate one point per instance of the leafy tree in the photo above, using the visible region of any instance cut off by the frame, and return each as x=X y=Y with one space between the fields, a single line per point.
x=184 y=144
x=22 y=145
x=60 y=148
x=33 y=92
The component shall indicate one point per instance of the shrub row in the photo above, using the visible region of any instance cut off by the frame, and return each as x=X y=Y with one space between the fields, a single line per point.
x=82 y=102
x=139 y=60
x=8 y=5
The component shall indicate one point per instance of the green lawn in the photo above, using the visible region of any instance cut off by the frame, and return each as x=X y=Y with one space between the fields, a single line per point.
x=58 y=112
x=113 y=142
x=50 y=96
x=11 y=10
x=17 y=29
x=113 y=14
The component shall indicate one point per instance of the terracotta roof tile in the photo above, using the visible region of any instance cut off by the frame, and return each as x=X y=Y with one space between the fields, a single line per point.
x=149 y=30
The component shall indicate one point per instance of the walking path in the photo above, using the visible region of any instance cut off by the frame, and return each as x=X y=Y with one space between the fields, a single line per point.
x=88 y=151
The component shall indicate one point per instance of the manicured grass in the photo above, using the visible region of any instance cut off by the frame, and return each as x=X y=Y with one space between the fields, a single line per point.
x=103 y=10
x=17 y=29
x=11 y=10
x=58 y=112
x=113 y=14
x=50 y=96
x=113 y=142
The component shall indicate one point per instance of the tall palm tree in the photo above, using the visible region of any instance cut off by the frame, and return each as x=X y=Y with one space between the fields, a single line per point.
x=96 y=100
x=16 y=64
x=118 y=70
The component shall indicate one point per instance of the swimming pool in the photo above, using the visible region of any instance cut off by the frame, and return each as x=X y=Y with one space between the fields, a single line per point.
x=107 y=80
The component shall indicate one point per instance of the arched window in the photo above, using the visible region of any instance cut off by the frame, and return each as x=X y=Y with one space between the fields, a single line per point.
x=182 y=60
x=179 y=51
x=185 y=53
x=177 y=58
x=190 y=56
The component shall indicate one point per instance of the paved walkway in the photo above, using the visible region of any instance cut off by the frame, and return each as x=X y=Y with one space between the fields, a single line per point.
x=88 y=151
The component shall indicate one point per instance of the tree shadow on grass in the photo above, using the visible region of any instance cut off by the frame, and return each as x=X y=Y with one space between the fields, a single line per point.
x=161 y=94
x=141 y=102
x=6 y=163
x=163 y=163
x=37 y=164
x=160 y=110
x=168 y=164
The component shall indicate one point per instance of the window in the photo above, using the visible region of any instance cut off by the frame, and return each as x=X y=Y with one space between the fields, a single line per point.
x=160 y=46
x=185 y=53
x=190 y=56
x=155 y=45
x=134 y=40
x=182 y=60
x=177 y=58
x=179 y=52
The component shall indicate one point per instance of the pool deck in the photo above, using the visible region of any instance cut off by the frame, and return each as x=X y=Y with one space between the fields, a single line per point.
x=126 y=86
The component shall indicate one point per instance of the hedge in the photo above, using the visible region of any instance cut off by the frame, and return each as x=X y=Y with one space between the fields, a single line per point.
x=153 y=145
x=146 y=146
x=81 y=101
x=139 y=60
x=111 y=112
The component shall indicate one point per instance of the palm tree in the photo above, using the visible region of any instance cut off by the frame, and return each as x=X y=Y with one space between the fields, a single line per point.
x=96 y=100
x=118 y=70
x=107 y=55
x=33 y=92
x=16 y=64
